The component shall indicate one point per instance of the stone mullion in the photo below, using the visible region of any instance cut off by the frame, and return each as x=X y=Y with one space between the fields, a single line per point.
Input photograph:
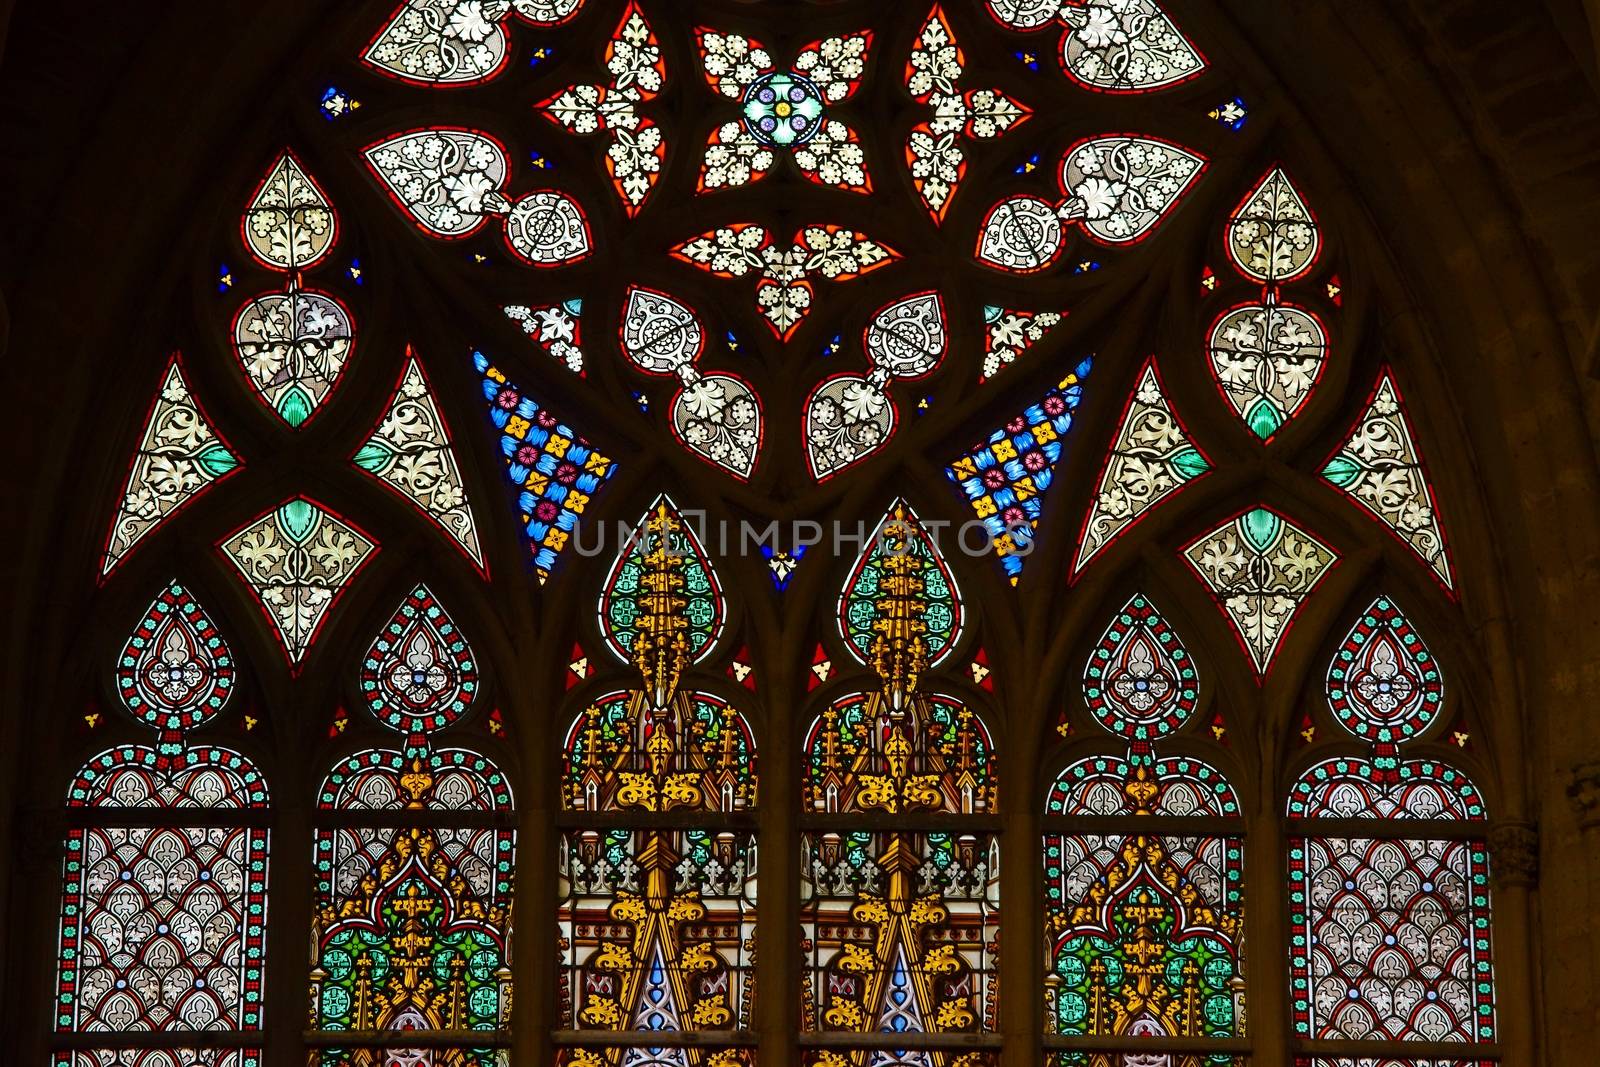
x=1021 y=964
x=1268 y=1011
x=290 y=893
x=779 y=963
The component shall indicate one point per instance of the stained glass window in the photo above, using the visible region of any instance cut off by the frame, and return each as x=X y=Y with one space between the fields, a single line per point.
x=797 y=261
x=556 y=471
x=1005 y=479
x=296 y=560
x=1390 y=933
x=414 y=863
x=899 y=899
x=715 y=416
x=635 y=74
x=656 y=869
x=1151 y=457
x=163 y=914
x=1144 y=931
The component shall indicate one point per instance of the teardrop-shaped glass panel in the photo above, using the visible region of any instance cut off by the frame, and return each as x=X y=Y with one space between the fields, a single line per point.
x=447 y=180
x=1272 y=235
x=900 y=531
x=1383 y=683
x=660 y=334
x=621 y=603
x=440 y=42
x=418 y=675
x=1120 y=188
x=1140 y=682
x=1266 y=358
x=847 y=418
x=176 y=671
x=907 y=338
x=293 y=346
x=1124 y=46
x=718 y=417
x=289 y=223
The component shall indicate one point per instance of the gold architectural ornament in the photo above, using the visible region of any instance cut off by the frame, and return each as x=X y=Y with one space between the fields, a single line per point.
x=899 y=650
x=661 y=648
x=413 y=881
x=1157 y=901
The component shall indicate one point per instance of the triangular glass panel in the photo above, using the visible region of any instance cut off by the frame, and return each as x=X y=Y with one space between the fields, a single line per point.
x=1005 y=478
x=1151 y=457
x=410 y=452
x=1008 y=334
x=554 y=329
x=554 y=470
x=1380 y=468
x=178 y=456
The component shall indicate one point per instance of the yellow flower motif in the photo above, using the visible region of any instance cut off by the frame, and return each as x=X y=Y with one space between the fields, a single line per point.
x=984 y=506
x=1003 y=450
x=965 y=467
x=557 y=445
x=576 y=501
x=517 y=426
x=556 y=539
x=1044 y=433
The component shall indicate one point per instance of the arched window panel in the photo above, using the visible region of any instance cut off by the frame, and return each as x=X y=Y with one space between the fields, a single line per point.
x=656 y=876
x=1348 y=1061
x=900 y=930
x=656 y=933
x=414 y=860
x=900 y=855
x=656 y=866
x=429 y=894
x=1388 y=866
x=936 y=755
x=616 y=759
x=1390 y=931
x=1144 y=933
x=1143 y=869
x=136 y=776
x=163 y=908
